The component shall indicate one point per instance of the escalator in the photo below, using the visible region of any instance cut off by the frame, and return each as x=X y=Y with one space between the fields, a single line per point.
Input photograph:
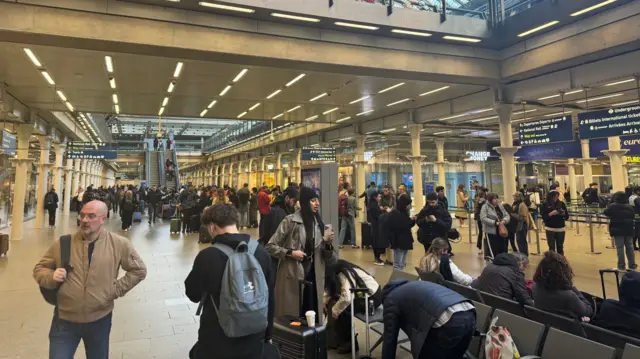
x=172 y=176
x=161 y=169
x=153 y=171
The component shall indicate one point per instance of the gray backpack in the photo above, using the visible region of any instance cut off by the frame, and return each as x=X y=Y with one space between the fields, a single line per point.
x=244 y=295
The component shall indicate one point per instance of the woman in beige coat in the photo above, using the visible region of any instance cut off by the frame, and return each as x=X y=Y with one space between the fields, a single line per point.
x=461 y=200
x=303 y=247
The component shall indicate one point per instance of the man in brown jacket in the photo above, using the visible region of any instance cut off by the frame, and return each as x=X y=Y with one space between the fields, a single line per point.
x=87 y=291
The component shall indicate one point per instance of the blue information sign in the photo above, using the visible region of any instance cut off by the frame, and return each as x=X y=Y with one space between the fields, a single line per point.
x=619 y=121
x=550 y=152
x=88 y=150
x=318 y=154
x=8 y=143
x=549 y=130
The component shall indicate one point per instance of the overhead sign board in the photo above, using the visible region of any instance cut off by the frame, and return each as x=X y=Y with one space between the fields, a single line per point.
x=619 y=121
x=551 y=151
x=8 y=143
x=326 y=154
x=478 y=155
x=88 y=150
x=549 y=130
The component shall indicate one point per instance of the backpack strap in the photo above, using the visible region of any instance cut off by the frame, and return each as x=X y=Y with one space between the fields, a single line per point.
x=228 y=251
x=252 y=246
x=65 y=251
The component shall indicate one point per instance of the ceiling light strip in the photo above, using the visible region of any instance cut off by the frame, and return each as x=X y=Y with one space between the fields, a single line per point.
x=541 y=27
x=594 y=7
x=600 y=98
x=356 y=26
x=391 y=87
x=274 y=94
x=176 y=72
x=254 y=106
x=329 y=111
x=398 y=102
x=388 y=130
x=460 y=38
x=620 y=82
x=434 y=91
x=318 y=97
x=358 y=100
x=293 y=109
x=343 y=119
x=294 y=17
x=311 y=118
x=290 y=83
x=226 y=7
x=414 y=33
x=239 y=75
x=364 y=113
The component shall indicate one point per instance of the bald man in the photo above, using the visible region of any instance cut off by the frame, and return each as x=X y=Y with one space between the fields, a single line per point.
x=88 y=284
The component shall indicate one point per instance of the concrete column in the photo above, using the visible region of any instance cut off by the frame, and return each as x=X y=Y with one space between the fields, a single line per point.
x=75 y=182
x=616 y=154
x=297 y=166
x=440 y=164
x=68 y=181
x=393 y=176
x=625 y=171
x=572 y=180
x=587 y=172
x=22 y=164
x=250 y=180
x=416 y=164
x=43 y=176
x=278 y=169
x=232 y=167
x=59 y=168
x=263 y=168
x=360 y=174
x=224 y=177
x=506 y=150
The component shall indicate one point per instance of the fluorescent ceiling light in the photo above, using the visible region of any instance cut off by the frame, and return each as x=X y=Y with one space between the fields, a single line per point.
x=112 y=83
x=274 y=94
x=541 y=27
x=204 y=112
x=293 y=109
x=434 y=91
x=318 y=97
x=573 y=92
x=161 y=111
x=442 y=132
x=388 y=130
x=254 y=106
x=311 y=118
x=69 y=106
x=62 y=96
x=397 y=102
x=526 y=111
x=357 y=26
x=165 y=101
x=601 y=97
x=212 y=103
x=343 y=119
x=556 y=114
x=415 y=33
x=240 y=74
x=226 y=7
x=591 y=8
x=329 y=111
x=483 y=119
x=623 y=103
x=170 y=88
x=620 y=82
x=293 y=17
x=242 y=114
x=277 y=116
x=364 y=113
x=358 y=100
x=460 y=38
x=391 y=87
x=48 y=78
x=548 y=97
x=225 y=90
x=117 y=108
x=109 y=63
x=295 y=80
x=115 y=98
x=33 y=57
x=176 y=72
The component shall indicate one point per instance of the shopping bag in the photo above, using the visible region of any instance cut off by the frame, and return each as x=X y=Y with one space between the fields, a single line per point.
x=498 y=343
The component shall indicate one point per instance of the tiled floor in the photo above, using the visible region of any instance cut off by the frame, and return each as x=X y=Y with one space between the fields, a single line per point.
x=156 y=320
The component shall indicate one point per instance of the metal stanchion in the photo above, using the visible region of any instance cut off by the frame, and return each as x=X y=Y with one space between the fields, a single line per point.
x=577 y=225
x=591 y=242
x=470 y=234
x=537 y=244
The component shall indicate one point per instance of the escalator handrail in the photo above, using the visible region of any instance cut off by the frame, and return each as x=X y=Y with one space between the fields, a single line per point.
x=161 y=172
x=147 y=167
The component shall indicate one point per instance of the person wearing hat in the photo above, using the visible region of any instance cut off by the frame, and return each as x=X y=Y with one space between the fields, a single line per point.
x=283 y=205
x=302 y=245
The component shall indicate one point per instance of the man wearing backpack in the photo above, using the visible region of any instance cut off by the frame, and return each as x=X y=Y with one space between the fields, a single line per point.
x=51 y=204
x=87 y=282
x=209 y=282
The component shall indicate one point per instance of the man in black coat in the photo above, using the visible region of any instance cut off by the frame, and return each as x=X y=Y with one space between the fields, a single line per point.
x=621 y=217
x=282 y=206
x=434 y=221
x=153 y=198
x=206 y=278
x=51 y=204
x=504 y=277
x=439 y=322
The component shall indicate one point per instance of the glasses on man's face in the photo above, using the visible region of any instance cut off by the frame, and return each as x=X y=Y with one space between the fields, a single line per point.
x=89 y=216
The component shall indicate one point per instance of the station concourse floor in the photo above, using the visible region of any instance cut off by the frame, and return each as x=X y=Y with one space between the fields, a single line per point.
x=156 y=320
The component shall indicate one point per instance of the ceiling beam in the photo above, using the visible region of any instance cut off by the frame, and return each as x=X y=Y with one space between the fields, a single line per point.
x=184 y=128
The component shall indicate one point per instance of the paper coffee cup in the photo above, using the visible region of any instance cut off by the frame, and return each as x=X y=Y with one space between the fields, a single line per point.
x=311 y=318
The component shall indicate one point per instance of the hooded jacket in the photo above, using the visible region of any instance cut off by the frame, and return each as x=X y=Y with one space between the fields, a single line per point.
x=272 y=220
x=428 y=231
x=413 y=307
x=206 y=277
x=399 y=224
x=264 y=202
x=623 y=316
x=504 y=278
x=621 y=215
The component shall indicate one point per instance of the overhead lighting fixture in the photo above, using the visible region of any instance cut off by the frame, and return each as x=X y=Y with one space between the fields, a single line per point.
x=171 y=86
x=117 y=107
x=165 y=101
x=623 y=103
x=414 y=33
x=356 y=26
x=460 y=38
x=242 y=115
x=69 y=106
x=112 y=83
x=591 y=8
x=434 y=91
x=398 y=102
x=115 y=98
x=293 y=109
x=176 y=72
x=226 y=7
x=109 y=63
x=239 y=75
x=274 y=94
x=541 y=27
x=294 y=17
x=364 y=113
x=391 y=87
x=442 y=132
x=620 y=82
x=204 y=112
x=295 y=80
x=225 y=90
x=358 y=100
x=526 y=111
x=556 y=114
x=277 y=116
x=32 y=57
x=62 y=96
x=600 y=97
x=254 y=106
x=548 y=97
x=48 y=77
x=329 y=111
x=161 y=111
x=318 y=97
x=212 y=103
x=311 y=118
x=343 y=119
x=388 y=130
x=573 y=92
x=483 y=119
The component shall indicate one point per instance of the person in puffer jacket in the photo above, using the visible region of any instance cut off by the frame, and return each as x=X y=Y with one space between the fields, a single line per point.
x=505 y=278
x=621 y=215
x=623 y=316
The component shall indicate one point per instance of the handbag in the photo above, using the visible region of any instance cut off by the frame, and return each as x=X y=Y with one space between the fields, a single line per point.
x=502 y=230
x=498 y=343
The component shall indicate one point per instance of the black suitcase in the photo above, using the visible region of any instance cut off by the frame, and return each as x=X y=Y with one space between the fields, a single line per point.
x=194 y=223
x=300 y=342
x=365 y=229
x=204 y=237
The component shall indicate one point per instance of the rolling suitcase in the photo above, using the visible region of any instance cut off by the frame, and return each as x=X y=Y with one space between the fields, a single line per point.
x=354 y=338
x=141 y=205
x=614 y=271
x=204 y=237
x=175 y=225
x=299 y=341
x=4 y=244
x=365 y=230
x=194 y=223
x=137 y=217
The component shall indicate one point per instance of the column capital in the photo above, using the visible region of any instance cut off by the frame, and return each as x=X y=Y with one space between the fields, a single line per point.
x=440 y=162
x=587 y=160
x=17 y=161
x=68 y=169
x=360 y=163
x=506 y=151
x=439 y=142
x=420 y=158
x=584 y=142
x=614 y=152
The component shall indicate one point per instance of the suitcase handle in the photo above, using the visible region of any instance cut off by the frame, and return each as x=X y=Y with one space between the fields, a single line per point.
x=366 y=319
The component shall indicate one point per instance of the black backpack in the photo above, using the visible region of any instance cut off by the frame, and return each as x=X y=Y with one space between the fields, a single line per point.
x=527 y=200
x=49 y=200
x=51 y=295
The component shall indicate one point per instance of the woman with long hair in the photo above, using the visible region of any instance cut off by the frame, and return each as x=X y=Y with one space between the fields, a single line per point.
x=373 y=216
x=127 y=208
x=520 y=208
x=479 y=202
x=400 y=224
x=553 y=290
x=436 y=265
x=340 y=278
x=493 y=215
x=303 y=246
x=219 y=197
x=461 y=203
x=554 y=215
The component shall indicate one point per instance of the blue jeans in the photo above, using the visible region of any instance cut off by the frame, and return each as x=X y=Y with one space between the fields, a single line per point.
x=65 y=336
x=348 y=221
x=451 y=340
x=399 y=258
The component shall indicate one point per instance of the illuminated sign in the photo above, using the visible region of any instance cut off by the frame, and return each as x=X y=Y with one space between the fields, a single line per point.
x=633 y=159
x=327 y=154
x=620 y=121
x=478 y=155
x=546 y=131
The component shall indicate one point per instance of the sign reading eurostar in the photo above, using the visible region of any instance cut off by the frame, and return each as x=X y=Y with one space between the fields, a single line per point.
x=88 y=150
x=619 y=121
x=549 y=130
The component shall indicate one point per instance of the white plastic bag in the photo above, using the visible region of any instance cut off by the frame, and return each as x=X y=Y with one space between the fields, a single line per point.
x=498 y=343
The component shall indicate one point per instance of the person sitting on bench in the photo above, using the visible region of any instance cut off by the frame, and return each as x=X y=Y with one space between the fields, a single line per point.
x=623 y=316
